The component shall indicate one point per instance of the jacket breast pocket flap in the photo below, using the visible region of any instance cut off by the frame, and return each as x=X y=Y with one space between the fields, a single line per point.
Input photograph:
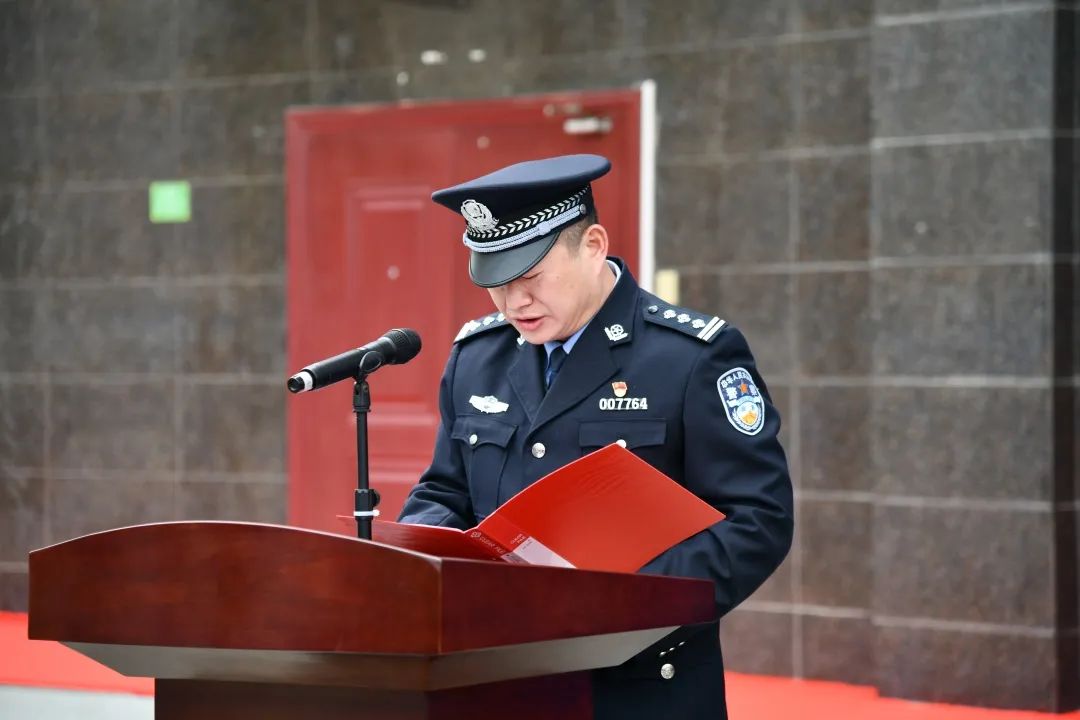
x=475 y=431
x=635 y=433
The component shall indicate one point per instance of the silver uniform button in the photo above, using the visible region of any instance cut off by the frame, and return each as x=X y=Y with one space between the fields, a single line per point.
x=538 y=450
x=667 y=671
x=620 y=442
x=473 y=439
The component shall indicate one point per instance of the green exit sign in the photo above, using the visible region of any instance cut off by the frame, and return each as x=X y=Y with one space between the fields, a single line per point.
x=170 y=201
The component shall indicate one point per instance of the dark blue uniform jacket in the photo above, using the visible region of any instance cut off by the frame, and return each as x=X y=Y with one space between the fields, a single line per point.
x=707 y=422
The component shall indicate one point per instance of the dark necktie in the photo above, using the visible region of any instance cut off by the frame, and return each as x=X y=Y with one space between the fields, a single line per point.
x=554 y=364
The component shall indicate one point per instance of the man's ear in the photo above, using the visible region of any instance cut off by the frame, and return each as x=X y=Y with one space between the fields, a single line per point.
x=594 y=241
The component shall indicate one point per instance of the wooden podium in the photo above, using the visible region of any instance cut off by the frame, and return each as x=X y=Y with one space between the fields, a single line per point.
x=240 y=620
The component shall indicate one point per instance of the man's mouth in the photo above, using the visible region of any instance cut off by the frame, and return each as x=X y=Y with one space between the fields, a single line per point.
x=529 y=323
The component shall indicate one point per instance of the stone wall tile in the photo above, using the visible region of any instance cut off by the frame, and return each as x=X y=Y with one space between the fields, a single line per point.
x=24 y=220
x=24 y=315
x=237 y=130
x=97 y=43
x=22 y=424
x=352 y=36
x=834 y=208
x=848 y=14
x=753 y=220
x=910 y=7
x=991 y=320
x=564 y=73
x=834 y=92
x=233 y=428
x=691 y=96
x=453 y=28
x=110 y=136
x=22 y=516
x=835 y=432
x=111 y=329
x=232 y=329
x=986 y=566
x=966 y=668
x=964 y=199
x=237 y=501
x=837 y=552
x=560 y=27
x=21 y=155
x=686 y=213
x=19 y=25
x=375 y=86
x=233 y=231
x=757 y=642
x=234 y=37
x=116 y=426
x=105 y=234
x=835 y=331
x=972 y=75
x=80 y=507
x=759 y=111
x=993 y=443
x=657 y=22
x=459 y=79
x=838 y=649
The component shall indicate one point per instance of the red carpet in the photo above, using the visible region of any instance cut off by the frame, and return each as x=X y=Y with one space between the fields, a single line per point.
x=750 y=697
x=35 y=663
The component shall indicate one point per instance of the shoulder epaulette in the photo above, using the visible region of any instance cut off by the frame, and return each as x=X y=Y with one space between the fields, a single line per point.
x=481 y=325
x=690 y=322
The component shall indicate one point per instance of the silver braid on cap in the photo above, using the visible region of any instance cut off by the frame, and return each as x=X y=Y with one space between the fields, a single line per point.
x=527 y=228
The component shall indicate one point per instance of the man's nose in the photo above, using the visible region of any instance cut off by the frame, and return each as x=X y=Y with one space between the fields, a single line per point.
x=516 y=296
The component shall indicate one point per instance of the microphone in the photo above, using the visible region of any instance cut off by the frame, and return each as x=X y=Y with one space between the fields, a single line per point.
x=397 y=346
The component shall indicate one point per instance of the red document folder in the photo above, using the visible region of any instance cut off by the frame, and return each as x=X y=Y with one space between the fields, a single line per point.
x=609 y=510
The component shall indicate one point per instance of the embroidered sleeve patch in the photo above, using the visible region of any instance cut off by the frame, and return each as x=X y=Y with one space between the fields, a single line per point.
x=742 y=400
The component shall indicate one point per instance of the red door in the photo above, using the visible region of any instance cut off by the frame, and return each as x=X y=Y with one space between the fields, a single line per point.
x=368 y=251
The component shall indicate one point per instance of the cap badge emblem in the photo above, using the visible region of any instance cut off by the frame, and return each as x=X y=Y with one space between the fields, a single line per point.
x=478 y=216
x=619 y=388
x=616 y=332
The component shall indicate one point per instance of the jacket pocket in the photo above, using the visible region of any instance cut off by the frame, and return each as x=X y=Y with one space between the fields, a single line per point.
x=630 y=434
x=483 y=447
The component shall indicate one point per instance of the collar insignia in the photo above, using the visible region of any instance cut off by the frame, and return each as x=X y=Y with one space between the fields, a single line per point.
x=615 y=332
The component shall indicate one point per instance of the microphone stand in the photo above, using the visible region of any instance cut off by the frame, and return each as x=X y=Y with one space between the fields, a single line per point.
x=365 y=499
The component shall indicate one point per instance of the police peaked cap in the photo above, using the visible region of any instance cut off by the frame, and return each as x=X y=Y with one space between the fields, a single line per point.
x=513 y=216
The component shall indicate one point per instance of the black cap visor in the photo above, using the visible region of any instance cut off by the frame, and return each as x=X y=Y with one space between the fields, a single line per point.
x=498 y=268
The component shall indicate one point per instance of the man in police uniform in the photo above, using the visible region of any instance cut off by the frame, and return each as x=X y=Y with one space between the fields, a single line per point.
x=576 y=357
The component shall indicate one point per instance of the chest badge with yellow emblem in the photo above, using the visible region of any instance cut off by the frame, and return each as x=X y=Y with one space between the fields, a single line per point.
x=742 y=400
x=620 y=401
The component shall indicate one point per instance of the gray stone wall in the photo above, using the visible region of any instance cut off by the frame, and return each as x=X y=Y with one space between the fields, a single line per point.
x=882 y=195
